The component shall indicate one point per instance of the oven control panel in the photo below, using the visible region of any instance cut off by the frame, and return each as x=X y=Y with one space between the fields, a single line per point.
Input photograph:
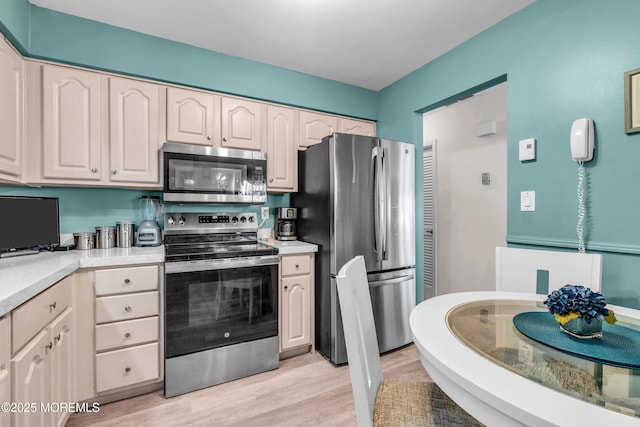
x=210 y=222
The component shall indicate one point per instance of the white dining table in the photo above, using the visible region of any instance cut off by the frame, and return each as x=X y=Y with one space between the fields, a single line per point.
x=494 y=392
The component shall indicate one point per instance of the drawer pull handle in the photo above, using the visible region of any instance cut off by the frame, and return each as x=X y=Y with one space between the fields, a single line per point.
x=48 y=347
x=127 y=281
x=127 y=335
x=56 y=338
x=52 y=306
x=127 y=369
x=128 y=309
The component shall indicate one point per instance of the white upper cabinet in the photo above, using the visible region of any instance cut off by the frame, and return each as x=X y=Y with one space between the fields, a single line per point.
x=134 y=122
x=282 y=160
x=95 y=129
x=357 y=127
x=193 y=117
x=314 y=127
x=11 y=112
x=242 y=124
x=71 y=124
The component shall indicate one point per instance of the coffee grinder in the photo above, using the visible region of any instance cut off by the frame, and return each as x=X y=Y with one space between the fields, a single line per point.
x=149 y=233
x=286 y=223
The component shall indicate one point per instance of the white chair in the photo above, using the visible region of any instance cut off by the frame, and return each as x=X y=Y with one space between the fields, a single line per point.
x=378 y=402
x=541 y=272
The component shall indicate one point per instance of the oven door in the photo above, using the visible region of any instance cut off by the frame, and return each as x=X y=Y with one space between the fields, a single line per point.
x=211 y=308
x=213 y=175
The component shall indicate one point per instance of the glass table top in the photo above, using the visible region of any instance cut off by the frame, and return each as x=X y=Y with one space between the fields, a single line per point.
x=487 y=328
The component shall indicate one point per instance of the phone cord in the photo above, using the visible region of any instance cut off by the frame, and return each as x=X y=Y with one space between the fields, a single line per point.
x=581 y=208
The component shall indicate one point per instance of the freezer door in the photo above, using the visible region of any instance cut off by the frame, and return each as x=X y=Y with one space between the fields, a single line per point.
x=352 y=200
x=398 y=197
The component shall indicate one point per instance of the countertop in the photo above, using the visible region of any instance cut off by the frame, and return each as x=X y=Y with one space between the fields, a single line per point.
x=288 y=247
x=23 y=277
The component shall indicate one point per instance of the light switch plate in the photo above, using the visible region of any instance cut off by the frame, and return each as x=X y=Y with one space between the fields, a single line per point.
x=527 y=201
x=527 y=150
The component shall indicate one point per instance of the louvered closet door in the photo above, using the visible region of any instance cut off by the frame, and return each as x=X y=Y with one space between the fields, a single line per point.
x=428 y=177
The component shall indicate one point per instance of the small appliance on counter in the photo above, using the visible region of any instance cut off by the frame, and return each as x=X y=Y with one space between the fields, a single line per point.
x=286 y=223
x=149 y=233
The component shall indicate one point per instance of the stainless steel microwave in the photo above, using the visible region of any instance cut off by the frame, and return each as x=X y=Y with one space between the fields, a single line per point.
x=201 y=174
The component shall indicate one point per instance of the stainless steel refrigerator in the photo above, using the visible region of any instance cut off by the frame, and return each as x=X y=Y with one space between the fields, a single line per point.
x=356 y=196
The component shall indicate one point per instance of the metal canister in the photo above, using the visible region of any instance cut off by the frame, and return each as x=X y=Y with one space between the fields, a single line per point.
x=83 y=241
x=105 y=237
x=124 y=234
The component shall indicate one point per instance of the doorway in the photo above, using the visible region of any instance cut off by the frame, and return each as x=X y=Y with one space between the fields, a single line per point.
x=469 y=191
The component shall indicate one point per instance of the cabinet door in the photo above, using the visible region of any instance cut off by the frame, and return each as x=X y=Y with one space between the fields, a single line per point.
x=11 y=136
x=134 y=123
x=5 y=373
x=282 y=155
x=357 y=127
x=32 y=380
x=71 y=124
x=241 y=124
x=62 y=365
x=192 y=117
x=314 y=127
x=296 y=311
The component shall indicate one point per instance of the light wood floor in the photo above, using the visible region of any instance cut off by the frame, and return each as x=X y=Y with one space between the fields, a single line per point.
x=305 y=391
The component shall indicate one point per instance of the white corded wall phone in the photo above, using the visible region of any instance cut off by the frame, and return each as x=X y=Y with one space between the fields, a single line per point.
x=582 y=142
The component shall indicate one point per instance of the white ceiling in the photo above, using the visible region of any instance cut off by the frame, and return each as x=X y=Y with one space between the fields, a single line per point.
x=366 y=43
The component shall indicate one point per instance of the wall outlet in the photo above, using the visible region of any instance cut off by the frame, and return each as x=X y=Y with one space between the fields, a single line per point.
x=264 y=213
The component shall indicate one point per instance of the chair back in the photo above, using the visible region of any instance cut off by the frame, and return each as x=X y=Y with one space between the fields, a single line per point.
x=536 y=271
x=360 y=337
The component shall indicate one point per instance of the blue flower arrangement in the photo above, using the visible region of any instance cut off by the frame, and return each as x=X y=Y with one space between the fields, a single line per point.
x=572 y=301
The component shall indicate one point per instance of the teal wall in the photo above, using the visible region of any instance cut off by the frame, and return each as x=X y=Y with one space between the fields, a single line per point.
x=563 y=60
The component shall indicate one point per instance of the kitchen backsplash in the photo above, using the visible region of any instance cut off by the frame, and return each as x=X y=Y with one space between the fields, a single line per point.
x=82 y=209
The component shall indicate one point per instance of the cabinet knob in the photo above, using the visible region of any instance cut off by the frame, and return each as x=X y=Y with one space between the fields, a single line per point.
x=270 y=179
x=127 y=369
x=113 y=171
x=127 y=335
x=286 y=287
x=94 y=170
x=56 y=338
x=48 y=347
x=209 y=137
x=52 y=306
x=297 y=266
x=224 y=139
x=127 y=281
x=128 y=309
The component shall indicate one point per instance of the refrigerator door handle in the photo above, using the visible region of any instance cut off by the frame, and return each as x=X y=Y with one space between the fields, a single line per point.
x=377 y=216
x=384 y=201
x=391 y=281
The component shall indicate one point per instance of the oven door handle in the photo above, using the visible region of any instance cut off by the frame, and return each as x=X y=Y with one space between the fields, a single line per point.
x=219 y=264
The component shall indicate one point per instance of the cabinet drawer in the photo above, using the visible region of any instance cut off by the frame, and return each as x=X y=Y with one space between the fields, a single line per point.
x=296 y=264
x=39 y=311
x=128 y=366
x=127 y=333
x=121 y=280
x=125 y=307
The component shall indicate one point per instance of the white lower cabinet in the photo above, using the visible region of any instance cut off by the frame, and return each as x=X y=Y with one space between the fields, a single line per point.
x=127 y=329
x=5 y=367
x=296 y=302
x=43 y=369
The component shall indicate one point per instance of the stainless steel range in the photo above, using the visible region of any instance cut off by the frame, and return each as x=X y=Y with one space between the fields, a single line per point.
x=221 y=300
